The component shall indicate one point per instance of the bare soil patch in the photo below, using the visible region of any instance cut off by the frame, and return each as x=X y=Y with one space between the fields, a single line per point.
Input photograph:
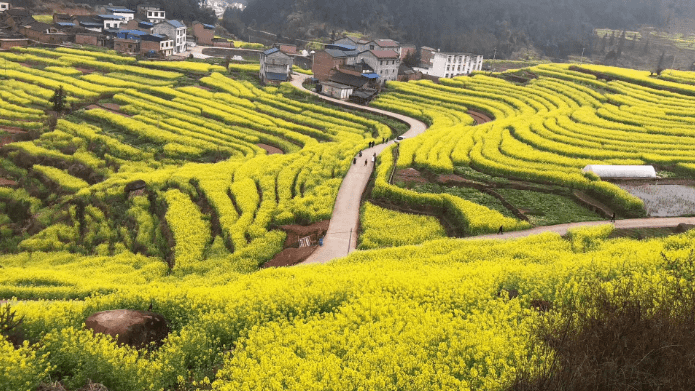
x=86 y=71
x=7 y=182
x=271 y=149
x=479 y=117
x=12 y=129
x=110 y=106
x=293 y=254
x=409 y=175
x=290 y=257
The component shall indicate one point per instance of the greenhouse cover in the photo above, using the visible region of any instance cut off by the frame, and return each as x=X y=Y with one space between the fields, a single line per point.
x=606 y=171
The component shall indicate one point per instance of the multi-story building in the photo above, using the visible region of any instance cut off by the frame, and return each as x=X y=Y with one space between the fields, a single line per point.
x=176 y=31
x=160 y=44
x=151 y=13
x=449 y=65
x=127 y=14
x=276 y=66
x=336 y=56
x=385 y=63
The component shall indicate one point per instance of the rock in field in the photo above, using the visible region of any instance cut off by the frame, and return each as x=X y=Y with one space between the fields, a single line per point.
x=134 y=328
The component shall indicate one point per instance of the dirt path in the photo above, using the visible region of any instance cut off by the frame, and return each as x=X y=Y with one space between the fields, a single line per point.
x=665 y=222
x=341 y=238
x=479 y=117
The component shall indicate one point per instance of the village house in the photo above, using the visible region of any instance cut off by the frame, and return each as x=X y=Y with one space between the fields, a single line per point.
x=111 y=22
x=159 y=44
x=427 y=55
x=335 y=56
x=15 y=17
x=138 y=25
x=447 y=65
x=176 y=31
x=384 y=62
x=276 y=66
x=203 y=33
x=44 y=33
x=151 y=13
x=90 y=38
x=336 y=90
x=287 y=48
x=4 y=6
x=407 y=49
x=90 y=23
x=385 y=44
x=360 y=44
x=405 y=73
x=127 y=14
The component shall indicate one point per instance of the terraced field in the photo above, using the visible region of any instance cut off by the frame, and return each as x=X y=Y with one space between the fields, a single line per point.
x=192 y=134
x=545 y=131
x=155 y=190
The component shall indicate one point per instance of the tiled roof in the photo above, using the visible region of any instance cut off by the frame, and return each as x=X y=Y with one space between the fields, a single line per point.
x=384 y=53
x=176 y=23
x=112 y=17
x=387 y=43
x=336 y=53
x=347 y=79
x=121 y=10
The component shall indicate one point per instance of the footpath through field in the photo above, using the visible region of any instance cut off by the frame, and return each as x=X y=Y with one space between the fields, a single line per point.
x=341 y=237
x=656 y=222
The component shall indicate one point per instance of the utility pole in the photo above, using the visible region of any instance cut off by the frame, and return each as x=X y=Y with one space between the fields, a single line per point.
x=581 y=61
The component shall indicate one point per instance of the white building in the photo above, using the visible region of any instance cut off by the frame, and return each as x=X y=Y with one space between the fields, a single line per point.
x=276 y=66
x=385 y=63
x=127 y=14
x=449 y=65
x=4 y=6
x=176 y=31
x=112 y=22
x=336 y=90
x=151 y=13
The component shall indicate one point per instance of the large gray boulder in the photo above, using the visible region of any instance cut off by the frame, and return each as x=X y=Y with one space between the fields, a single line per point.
x=130 y=327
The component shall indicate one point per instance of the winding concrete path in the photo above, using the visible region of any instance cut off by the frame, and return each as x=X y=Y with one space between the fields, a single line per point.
x=341 y=237
x=653 y=222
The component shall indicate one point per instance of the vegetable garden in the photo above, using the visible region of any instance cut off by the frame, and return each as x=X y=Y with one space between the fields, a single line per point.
x=152 y=189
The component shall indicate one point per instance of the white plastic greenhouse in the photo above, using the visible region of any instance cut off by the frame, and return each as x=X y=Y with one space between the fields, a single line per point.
x=621 y=171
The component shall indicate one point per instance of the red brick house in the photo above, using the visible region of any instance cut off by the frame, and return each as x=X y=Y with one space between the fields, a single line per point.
x=287 y=48
x=203 y=33
x=44 y=33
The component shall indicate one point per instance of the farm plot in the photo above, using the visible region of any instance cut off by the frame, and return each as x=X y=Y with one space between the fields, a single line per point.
x=150 y=164
x=665 y=200
x=547 y=130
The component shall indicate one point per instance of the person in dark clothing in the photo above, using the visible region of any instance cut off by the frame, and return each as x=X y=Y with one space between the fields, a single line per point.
x=360 y=153
x=501 y=230
x=354 y=160
x=613 y=218
x=365 y=161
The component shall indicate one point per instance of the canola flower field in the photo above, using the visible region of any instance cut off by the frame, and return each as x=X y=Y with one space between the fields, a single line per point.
x=438 y=315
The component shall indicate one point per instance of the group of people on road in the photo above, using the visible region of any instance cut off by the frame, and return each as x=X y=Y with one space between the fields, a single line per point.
x=354 y=160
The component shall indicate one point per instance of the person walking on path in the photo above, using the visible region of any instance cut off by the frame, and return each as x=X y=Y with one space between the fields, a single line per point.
x=374 y=158
x=501 y=230
x=354 y=160
x=613 y=218
x=360 y=153
x=365 y=161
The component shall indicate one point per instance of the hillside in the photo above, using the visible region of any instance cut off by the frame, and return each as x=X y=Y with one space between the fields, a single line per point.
x=556 y=29
x=168 y=185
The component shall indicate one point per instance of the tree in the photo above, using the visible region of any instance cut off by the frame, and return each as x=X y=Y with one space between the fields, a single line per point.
x=660 y=64
x=58 y=100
